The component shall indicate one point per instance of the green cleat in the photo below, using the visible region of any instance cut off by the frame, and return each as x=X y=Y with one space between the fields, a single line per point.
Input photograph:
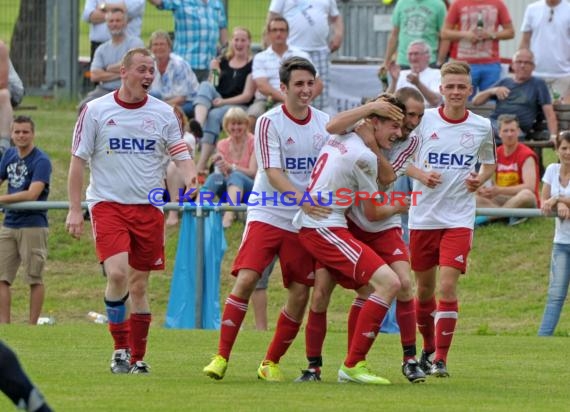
x=269 y=371
x=360 y=374
x=216 y=369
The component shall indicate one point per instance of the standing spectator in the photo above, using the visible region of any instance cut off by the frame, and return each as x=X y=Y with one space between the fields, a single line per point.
x=16 y=385
x=416 y=20
x=106 y=64
x=94 y=14
x=174 y=81
x=296 y=132
x=421 y=77
x=441 y=224
x=473 y=28
x=266 y=69
x=11 y=94
x=517 y=177
x=556 y=198
x=141 y=131
x=23 y=238
x=200 y=28
x=310 y=23
x=523 y=95
x=545 y=32
x=235 y=87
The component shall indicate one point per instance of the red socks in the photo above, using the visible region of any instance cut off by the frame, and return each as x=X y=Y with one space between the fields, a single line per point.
x=287 y=329
x=139 y=324
x=315 y=333
x=406 y=318
x=445 y=321
x=232 y=318
x=355 y=309
x=425 y=312
x=120 y=334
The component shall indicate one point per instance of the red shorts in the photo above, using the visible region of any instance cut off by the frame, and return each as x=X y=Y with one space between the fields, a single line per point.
x=259 y=245
x=338 y=250
x=443 y=247
x=388 y=244
x=135 y=229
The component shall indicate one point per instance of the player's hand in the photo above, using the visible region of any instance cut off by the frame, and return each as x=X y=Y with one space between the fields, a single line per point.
x=365 y=129
x=502 y=92
x=383 y=108
x=473 y=182
x=314 y=209
x=563 y=211
x=431 y=179
x=74 y=223
x=402 y=206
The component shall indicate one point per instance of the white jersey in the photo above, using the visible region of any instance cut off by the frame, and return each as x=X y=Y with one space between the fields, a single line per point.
x=452 y=148
x=125 y=145
x=292 y=145
x=345 y=166
x=400 y=156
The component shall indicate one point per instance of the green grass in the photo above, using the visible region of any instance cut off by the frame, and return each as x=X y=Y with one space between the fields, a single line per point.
x=503 y=373
x=247 y=13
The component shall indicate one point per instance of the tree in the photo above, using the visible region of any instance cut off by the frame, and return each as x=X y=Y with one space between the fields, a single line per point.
x=28 y=45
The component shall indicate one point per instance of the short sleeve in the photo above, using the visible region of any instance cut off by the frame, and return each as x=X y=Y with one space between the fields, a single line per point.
x=267 y=144
x=42 y=171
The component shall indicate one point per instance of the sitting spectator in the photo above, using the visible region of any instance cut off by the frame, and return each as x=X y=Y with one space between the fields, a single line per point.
x=11 y=94
x=234 y=87
x=556 y=199
x=472 y=26
x=106 y=64
x=174 y=81
x=94 y=14
x=516 y=177
x=545 y=32
x=235 y=163
x=419 y=76
x=266 y=69
x=23 y=237
x=174 y=180
x=522 y=95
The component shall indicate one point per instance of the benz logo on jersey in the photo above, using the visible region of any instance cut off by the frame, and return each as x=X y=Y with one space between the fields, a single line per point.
x=450 y=160
x=131 y=145
x=300 y=163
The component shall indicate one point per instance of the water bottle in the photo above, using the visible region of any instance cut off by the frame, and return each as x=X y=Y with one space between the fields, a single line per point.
x=215 y=77
x=97 y=317
x=480 y=21
x=47 y=320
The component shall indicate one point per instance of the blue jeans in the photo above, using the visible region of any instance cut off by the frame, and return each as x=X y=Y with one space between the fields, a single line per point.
x=484 y=76
x=557 y=288
x=217 y=184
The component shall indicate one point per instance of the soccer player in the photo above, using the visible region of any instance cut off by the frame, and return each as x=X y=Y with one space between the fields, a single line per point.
x=17 y=386
x=346 y=170
x=125 y=136
x=287 y=141
x=452 y=141
x=385 y=238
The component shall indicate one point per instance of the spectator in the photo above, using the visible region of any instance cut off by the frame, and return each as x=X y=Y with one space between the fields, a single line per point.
x=522 y=95
x=199 y=27
x=473 y=28
x=545 y=32
x=106 y=64
x=310 y=24
x=11 y=94
x=517 y=176
x=419 y=76
x=141 y=130
x=174 y=82
x=23 y=238
x=416 y=20
x=17 y=386
x=266 y=69
x=235 y=163
x=94 y=14
x=235 y=88
x=556 y=198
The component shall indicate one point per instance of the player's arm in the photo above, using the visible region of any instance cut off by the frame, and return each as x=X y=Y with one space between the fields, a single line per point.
x=386 y=174
x=429 y=179
x=74 y=221
x=529 y=178
x=476 y=180
x=346 y=120
x=373 y=212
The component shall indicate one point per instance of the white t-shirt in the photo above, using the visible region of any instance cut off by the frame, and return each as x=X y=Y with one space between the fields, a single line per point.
x=284 y=142
x=431 y=78
x=400 y=156
x=308 y=21
x=552 y=177
x=266 y=64
x=126 y=145
x=452 y=148
x=345 y=165
x=550 y=38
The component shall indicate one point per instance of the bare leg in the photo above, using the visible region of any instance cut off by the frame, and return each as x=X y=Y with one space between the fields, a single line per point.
x=5 y=302
x=259 y=302
x=200 y=114
x=230 y=216
x=37 y=293
x=207 y=151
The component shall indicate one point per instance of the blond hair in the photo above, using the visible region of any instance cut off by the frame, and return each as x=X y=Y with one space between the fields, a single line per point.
x=455 y=68
x=128 y=57
x=230 y=52
x=235 y=114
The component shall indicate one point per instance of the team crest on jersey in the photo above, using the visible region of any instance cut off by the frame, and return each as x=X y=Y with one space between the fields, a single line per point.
x=467 y=140
x=318 y=141
x=148 y=125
